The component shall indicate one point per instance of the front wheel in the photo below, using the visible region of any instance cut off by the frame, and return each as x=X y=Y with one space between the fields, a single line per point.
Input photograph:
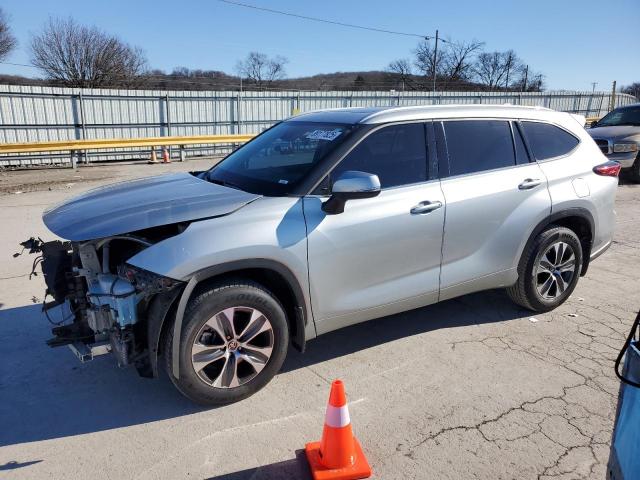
x=548 y=271
x=234 y=340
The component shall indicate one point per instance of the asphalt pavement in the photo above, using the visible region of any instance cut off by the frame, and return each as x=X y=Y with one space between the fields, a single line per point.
x=470 y=388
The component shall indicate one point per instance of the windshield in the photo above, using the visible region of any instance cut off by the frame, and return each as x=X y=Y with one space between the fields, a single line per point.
x=622 y=116
x=277 y=160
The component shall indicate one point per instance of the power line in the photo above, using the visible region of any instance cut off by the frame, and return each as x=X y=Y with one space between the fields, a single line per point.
x=324 y=20
x=18 y=64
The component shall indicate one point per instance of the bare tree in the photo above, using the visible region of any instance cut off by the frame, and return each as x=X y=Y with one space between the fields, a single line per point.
x=81 y=56
x=491 y=68
x=359 y=83
x=425 y=61
x=528 y=80
x=536 y=84
x=401 y=71
x=262 y=70
x=513 y=67
x=458 y=59
x=7 y=40
x=633 y=89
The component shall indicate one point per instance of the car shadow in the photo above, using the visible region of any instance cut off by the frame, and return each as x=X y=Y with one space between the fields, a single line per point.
x=13 y=465
x=297 y=468
x=474 y=309
x=47 y=393
x=625 y=179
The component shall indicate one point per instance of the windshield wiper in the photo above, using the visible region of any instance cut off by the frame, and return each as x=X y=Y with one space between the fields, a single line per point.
x=224 y=183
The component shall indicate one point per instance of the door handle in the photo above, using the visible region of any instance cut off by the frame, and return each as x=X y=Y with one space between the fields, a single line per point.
x=529 y=183
x=425 y=207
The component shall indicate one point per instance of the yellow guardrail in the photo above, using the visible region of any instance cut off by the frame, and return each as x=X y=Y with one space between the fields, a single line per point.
x=588 y=120
x=98 y=144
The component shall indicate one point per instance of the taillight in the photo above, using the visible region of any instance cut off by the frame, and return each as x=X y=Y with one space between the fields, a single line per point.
x=608 y=169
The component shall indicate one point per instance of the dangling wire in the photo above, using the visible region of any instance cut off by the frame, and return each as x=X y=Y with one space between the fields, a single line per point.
x=72 y=312
x=37 y=261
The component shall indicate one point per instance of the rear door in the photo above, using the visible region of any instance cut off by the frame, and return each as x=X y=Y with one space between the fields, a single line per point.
x=495 y=196
x=381 y=255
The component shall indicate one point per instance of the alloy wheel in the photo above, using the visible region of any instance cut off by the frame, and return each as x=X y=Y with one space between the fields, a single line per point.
x=232 y=347
x=555 y=270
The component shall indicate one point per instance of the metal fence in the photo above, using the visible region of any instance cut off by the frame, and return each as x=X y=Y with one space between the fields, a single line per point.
x=32 y=113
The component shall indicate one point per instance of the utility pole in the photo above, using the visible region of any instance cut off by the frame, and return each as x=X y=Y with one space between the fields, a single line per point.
x=435 y=63
x=509 y=62
x=612 y=103
x=526 y=77
x=240 y=83
x=593 y=85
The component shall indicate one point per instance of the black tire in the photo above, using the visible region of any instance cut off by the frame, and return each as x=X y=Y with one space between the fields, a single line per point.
x=205 y=304
x=525 y=292
x=634 y=171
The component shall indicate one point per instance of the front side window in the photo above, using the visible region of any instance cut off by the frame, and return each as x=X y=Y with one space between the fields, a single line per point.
x=478 y=145
x=397 y=154
x=548 y=141
x=621 y=116
x=273 y=163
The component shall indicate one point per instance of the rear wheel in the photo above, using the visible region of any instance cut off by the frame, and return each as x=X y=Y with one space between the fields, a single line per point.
x=548 y=271
x=234 y=340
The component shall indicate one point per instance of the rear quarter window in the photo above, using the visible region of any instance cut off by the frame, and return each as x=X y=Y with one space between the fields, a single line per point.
x=548 y=141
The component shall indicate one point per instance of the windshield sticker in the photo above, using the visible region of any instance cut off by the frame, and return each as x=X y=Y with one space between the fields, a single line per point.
x=283 y=182
x=324 y=134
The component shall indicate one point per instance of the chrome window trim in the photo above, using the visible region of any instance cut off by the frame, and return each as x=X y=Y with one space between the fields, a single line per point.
x=462 y=175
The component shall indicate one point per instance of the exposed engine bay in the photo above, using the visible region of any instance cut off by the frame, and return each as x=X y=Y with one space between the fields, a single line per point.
x=108 y=300
x=103 y=304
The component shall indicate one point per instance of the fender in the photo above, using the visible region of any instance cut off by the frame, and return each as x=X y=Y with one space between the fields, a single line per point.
x=569 y=212
x=301 y=316
x=157 y=313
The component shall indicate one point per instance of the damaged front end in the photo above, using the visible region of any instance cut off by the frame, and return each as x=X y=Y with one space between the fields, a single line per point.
x=112 y=306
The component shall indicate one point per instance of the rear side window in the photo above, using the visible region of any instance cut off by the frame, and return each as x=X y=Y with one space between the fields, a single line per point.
x=548 y=141
x=478 y=145
x=397 y=154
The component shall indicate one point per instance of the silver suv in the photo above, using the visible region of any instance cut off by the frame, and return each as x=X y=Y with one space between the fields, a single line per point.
x=322 y=221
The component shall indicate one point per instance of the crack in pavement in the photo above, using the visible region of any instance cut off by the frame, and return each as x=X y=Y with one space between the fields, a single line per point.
x=578 y=421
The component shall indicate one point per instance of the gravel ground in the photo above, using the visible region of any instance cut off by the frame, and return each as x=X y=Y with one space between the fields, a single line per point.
x=470 y=388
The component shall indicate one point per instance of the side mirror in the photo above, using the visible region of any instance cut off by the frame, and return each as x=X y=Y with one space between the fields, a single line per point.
x=594 y=124
x=351 y=185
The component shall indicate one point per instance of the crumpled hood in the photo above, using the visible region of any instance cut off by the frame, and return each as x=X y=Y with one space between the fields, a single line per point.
x=138 y=204
x=616 y=133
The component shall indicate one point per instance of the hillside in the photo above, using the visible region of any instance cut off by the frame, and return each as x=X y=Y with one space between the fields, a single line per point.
x=183 y=79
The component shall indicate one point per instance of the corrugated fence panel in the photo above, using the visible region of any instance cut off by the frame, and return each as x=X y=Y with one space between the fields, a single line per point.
x=33 y=113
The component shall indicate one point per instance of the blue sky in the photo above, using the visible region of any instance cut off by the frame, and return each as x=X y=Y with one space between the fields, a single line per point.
x=572 y=42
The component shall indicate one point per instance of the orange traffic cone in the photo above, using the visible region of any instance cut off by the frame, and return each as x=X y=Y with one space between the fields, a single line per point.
x=165 y=155
x=338 y=456
x=154 y=158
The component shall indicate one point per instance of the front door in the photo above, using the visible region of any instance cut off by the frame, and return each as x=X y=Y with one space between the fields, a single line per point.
x=381 y=255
